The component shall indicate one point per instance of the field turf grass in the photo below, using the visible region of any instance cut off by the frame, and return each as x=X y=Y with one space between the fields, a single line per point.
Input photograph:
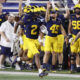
x=17 y=77
x=36 y=77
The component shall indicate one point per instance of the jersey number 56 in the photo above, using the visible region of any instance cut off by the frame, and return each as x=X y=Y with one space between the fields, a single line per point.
x=76 y=24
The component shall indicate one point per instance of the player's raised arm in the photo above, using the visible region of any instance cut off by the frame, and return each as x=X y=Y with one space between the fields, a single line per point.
x=20 y=7
x=66 y=15
x=79 y=1
x=47 y=16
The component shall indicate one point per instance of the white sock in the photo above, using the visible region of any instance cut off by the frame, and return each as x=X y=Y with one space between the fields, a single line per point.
x=18 y=59
x=17 y=65
x=1 y=65
x=40 y=71
x=23 y=62
x=30 y=64
x=78 y=65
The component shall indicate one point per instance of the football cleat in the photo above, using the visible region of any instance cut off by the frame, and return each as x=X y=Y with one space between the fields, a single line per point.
x=72 y=71
x=43 y=74
x=2 y=67
x=17 y=67
x=60 y=69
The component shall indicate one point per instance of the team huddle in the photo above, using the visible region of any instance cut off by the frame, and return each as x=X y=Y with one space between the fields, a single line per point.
x=42 y=29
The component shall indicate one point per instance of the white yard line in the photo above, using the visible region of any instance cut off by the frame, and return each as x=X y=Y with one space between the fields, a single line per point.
x=36 y=74
x=25 y=1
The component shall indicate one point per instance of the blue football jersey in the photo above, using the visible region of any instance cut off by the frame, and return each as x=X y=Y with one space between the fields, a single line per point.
x=53 y=27
x=75 y=24
x=32 y=27
x=25 y=19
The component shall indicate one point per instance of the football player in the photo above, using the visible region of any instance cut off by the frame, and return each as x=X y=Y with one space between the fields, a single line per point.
x=32 y=24
x=60 y=37
x=53 y=25
x=73 y=30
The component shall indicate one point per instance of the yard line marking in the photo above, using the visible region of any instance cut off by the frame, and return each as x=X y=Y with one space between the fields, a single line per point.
x=36 y=74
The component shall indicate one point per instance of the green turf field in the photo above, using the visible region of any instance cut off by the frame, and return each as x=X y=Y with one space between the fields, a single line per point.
x=17 y=77
x=33 y=75
x=60 y=72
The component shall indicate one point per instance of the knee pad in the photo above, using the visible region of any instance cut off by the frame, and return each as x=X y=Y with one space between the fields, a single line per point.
x=73 y=57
